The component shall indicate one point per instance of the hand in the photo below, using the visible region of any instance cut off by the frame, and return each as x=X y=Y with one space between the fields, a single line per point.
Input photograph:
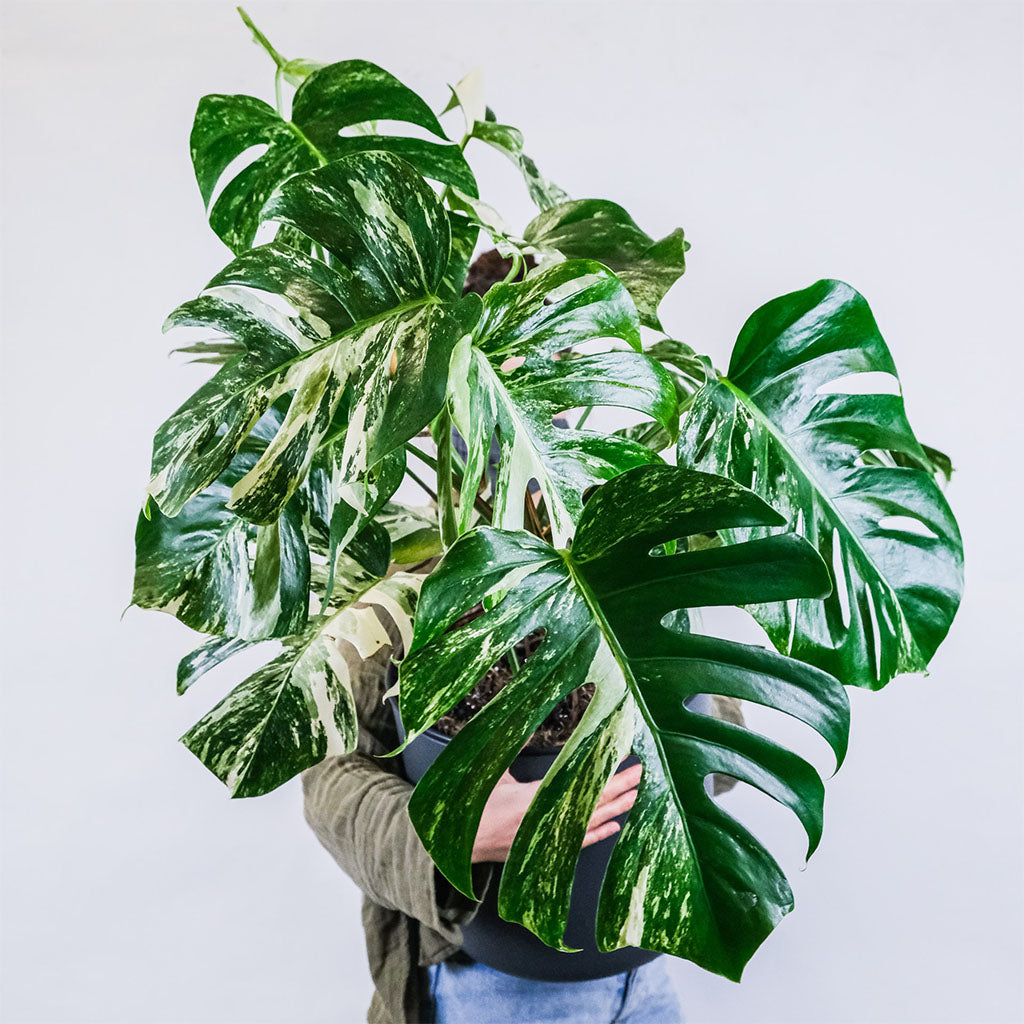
x=509 y=800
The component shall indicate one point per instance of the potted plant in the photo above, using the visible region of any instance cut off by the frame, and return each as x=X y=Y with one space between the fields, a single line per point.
x=782 y=485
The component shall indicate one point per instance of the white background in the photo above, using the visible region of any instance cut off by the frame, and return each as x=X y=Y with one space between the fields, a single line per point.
x=875 y=142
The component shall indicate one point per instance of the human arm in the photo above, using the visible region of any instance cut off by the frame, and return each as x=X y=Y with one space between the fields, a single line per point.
x=510 y=799
x=357 y=806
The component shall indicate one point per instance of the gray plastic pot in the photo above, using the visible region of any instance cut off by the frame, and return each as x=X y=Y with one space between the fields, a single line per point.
x=510 y=947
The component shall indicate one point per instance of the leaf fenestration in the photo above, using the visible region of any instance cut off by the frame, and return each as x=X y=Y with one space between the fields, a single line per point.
x=790 y=420
x=685 y=878
x=329 y=100
x=531 y=323
x=298 y=709
x=389 y=241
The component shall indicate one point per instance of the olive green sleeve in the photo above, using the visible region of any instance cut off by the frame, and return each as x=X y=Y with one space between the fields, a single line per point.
x=357 y=805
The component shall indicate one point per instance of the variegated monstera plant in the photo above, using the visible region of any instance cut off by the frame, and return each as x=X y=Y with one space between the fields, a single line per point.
x=342 y=335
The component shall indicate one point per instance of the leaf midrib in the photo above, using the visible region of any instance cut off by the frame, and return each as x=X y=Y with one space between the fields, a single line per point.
x=317 y=630
x=357 y=327
x=506 y=396
x=634 y=688
x=766 y=424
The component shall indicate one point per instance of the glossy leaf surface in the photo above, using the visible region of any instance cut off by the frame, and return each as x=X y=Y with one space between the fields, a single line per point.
x=600 y=230
x=219 y=573
x=345 y=324
x=328 y=101
x=685 y=877
x=298 y=708
x=510 y=380
x=810 y=398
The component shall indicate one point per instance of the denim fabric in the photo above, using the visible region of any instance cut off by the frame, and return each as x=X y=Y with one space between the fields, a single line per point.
x=473 y=993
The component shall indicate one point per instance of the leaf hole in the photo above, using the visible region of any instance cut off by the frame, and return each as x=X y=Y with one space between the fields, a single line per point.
x=874 y=457
x=875 y=639
x=907 y=524
x=233 y=169
x=870 y=382
x=840 y=579
x=404 y=129
x=704 y=445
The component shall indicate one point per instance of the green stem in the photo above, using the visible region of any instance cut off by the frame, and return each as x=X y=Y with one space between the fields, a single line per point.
x=517 y=265
x=513 y=659
x=583 y=419
x=261 y=38
x=458 y=474
x=278 y=98
x=445 y=502
x=457 y=463
x=427 y=460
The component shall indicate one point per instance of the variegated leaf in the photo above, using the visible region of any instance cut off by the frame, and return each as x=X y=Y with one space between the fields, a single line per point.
x=208 y=655
x=298 y=708
x=687 y=372
x=329 y=100
x=530 y=323
x=342 y=327
x=683 y=363
x=509 y=141
x=222 y=574
x=598 y=229
x=685 y=878
x=413 y=532
x=481 y=124
x=342 y=515
x=811 y=417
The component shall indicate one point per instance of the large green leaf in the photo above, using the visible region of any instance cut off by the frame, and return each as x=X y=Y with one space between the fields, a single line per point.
x=297 y=709
x=685 y=877
x=329 y=100
x=600 y=230
x=790 y=420
x=343 y=324
x=530 y=324
x=222 y=574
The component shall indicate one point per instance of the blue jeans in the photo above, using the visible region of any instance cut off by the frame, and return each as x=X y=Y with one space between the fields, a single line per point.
x=473 y=993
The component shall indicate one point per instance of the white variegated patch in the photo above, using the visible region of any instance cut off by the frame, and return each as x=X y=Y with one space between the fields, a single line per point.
x=298 y=709
x=684 y=877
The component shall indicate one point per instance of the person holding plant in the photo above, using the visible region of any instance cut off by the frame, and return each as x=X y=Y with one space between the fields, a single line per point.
x=774 y=486
x=357 y=805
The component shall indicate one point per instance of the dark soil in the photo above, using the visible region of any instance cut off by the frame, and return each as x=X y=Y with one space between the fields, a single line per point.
x=488 y=269
x=555 y=729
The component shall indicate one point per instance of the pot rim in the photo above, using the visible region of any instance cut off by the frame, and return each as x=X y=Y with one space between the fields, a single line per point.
x=441 y=737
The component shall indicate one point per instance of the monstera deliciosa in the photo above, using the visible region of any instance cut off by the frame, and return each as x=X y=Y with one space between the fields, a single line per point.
x=354 y=355
x=685 y=876
x=803 y=417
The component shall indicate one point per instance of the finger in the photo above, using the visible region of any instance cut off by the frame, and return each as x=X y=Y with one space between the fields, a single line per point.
x=618 y=784
x=613 y=808
x=595 y=835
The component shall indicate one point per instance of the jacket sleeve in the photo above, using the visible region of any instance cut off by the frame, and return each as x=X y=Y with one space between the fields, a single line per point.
x=358 y=806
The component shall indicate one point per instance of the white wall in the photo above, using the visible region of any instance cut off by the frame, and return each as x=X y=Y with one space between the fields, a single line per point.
x=875 y=142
